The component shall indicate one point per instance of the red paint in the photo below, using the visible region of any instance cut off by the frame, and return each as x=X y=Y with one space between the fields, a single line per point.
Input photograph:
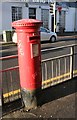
x=29 y=52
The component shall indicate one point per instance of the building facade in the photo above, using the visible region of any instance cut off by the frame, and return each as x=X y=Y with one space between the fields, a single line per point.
x=66 y=18
x=12 y=11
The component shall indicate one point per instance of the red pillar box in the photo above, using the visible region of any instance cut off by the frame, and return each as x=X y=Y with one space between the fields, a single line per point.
x=29 y=58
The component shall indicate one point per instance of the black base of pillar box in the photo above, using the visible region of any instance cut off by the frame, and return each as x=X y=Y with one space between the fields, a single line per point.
x=31 y=98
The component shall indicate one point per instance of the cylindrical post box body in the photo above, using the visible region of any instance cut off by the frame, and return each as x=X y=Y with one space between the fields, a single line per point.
x=29 y=53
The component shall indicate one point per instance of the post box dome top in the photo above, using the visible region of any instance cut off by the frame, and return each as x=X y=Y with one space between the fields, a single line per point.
x=26 y=23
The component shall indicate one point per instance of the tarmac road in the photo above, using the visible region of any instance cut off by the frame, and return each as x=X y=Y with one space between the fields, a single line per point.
x=45 y=55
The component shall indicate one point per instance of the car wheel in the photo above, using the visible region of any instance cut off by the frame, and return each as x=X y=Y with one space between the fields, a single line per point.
x=53 y=39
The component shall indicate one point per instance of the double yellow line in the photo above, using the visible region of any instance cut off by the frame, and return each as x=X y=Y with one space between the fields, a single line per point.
x=11 y=93
x=43 y=83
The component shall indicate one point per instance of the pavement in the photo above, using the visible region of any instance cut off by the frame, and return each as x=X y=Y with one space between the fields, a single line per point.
x=67 y=36
x=59 y=101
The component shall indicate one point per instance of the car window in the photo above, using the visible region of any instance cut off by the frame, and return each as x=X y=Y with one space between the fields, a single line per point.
x=43 y=29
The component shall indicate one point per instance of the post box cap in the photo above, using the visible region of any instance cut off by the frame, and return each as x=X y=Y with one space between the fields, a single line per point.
x=26 y=23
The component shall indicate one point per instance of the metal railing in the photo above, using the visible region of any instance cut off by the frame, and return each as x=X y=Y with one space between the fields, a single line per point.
x=61 y=68
x=10 y=81
x=11 y=86
x=54 y=70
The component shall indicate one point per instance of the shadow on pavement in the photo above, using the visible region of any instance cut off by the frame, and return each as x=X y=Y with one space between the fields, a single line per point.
x=58 y=91
x=12 y=106
x=47 y=95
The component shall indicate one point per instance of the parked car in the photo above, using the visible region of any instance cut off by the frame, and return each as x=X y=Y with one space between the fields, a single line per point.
x=47 y=35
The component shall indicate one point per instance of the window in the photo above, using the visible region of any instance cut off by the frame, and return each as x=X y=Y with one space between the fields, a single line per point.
x=43 y=29
x=45 y=17
x=32 y=13
x=16 y=13
x=62 y=19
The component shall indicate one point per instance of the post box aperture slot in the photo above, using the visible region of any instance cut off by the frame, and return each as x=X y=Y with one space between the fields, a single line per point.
x=34 y=38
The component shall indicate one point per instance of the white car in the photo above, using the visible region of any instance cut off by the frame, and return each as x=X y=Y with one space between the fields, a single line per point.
x=47 y=35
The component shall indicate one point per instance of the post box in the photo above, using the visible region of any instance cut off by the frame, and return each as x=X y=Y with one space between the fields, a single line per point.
x=29 y=58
